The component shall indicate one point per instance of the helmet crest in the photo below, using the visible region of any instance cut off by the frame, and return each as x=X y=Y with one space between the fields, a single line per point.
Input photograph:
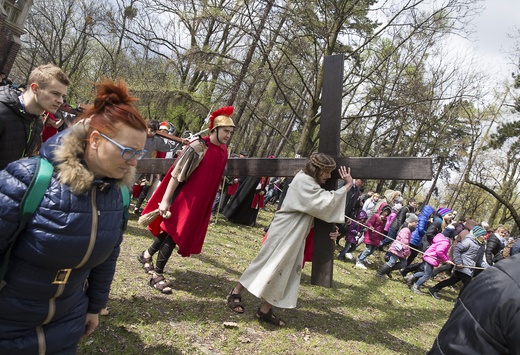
x=221 y=117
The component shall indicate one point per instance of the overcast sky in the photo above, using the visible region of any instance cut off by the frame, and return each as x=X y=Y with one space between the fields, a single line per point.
x=491 y=42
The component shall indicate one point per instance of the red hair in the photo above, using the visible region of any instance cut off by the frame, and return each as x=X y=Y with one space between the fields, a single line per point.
x=114 y=105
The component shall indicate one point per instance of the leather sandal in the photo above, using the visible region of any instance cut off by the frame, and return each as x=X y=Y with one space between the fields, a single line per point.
x=234 y=301
x=159 y=283
x=270 y=318
x=146 y=262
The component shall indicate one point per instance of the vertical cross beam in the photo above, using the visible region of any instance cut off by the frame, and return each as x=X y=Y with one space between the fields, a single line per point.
x=330 y=124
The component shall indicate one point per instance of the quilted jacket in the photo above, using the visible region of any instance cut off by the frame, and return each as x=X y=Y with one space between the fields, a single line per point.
x=77 y=226
x=422 y=225
x=438 y=251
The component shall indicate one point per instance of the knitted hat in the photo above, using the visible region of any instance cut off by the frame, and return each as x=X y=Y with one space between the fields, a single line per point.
x=361 y=215
x=411 y=217
x=443 y=211
x=478 y=231
x=449 y=231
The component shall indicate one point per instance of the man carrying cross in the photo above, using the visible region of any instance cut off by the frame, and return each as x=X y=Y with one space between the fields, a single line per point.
x=274 y=275
x=396 y=168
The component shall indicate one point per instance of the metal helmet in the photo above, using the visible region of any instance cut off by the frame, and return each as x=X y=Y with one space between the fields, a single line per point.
x=221 y=118
x=221 y=121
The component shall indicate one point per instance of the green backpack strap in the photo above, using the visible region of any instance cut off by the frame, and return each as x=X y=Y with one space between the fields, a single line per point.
x=126 y=204
x=30 y=202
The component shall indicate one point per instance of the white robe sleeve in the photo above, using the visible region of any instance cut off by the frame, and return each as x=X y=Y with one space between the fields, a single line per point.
x=307 y=196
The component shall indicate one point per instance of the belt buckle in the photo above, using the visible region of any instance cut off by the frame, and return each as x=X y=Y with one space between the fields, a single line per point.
x=62 y=276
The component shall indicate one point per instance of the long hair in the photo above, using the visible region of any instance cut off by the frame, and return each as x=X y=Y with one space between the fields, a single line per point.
x=318 y=163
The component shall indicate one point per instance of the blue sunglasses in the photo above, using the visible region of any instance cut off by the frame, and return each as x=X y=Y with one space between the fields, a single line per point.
x=126 y=153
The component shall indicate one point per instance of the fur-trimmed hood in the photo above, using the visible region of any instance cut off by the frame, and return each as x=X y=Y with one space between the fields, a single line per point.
x=66 y=152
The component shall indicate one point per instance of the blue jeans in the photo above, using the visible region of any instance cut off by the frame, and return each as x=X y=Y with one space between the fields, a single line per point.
x=422 y=276
x=369 y=250
x=269 y=196
x=394 y=259
x=215 y=203
x=392 y=233
x=349 y=247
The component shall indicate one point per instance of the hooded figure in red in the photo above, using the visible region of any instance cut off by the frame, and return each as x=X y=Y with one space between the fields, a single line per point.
x=187 y=193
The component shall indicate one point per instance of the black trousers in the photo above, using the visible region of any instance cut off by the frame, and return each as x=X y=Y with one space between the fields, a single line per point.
x=455 y=277
x=413 y=253
x=442 y=268
x=165 y=245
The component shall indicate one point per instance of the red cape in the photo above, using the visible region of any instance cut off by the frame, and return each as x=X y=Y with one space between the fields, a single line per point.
x=191 y=208
x=309 y=246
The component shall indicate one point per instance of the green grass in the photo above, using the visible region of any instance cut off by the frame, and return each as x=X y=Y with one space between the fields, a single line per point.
x=360 y=314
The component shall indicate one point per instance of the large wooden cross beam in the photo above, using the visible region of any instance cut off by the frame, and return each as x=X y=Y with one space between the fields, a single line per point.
x=393 y=168
x=368 y=168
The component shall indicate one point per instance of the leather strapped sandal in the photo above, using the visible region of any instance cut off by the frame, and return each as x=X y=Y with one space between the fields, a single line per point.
x=146 y=262
x=270 y=318
x=234 y=301
x=159 y=283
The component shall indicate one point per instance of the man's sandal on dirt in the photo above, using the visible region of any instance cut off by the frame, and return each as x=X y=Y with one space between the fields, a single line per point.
x=234 y=301
x=146 y=262
x=270 y=318
x=159 y=283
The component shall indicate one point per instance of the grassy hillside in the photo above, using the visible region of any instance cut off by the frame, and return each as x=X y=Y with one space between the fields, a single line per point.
x=360 y=314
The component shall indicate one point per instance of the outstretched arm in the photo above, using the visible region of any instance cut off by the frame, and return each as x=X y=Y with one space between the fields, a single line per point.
x=344 y=174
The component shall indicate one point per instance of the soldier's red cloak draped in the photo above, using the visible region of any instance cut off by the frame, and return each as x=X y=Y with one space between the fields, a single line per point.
x=191 y=207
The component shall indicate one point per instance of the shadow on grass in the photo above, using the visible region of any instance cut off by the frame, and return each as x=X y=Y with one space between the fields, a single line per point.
x=357 y=309
x=205 y=302
x=111 y=339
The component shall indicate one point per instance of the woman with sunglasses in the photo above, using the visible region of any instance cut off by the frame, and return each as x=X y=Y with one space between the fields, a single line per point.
x=62 y=264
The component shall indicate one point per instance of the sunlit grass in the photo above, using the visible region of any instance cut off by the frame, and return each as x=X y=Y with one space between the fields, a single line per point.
x=360 y=314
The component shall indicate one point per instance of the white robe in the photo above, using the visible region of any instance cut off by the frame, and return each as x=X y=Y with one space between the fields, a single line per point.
x=274 y=275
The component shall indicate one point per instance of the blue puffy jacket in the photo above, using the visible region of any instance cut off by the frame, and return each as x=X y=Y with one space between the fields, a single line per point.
x=77 y=226
x=422 y=225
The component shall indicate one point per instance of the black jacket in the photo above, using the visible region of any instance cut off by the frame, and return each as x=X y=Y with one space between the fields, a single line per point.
x=493 y=249
x=486 y=318
x=401 y=217
x=20 y=132
x=352 y=205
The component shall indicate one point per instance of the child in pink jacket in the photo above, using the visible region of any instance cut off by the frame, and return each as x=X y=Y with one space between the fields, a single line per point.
x=400 y=248
x=434 y=255
x=374 y=234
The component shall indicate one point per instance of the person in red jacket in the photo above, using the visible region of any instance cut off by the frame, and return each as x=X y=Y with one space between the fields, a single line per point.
x=374 y=234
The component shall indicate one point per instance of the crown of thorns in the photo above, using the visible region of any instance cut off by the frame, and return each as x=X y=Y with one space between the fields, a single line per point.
x=321 y=164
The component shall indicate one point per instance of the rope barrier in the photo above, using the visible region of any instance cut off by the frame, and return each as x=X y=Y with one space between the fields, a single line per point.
x=412 y=248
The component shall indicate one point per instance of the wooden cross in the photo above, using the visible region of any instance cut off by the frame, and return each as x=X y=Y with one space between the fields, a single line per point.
x=330 y=124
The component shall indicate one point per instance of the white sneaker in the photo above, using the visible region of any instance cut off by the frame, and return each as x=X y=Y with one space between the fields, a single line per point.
x=360 y=265
x=416 y=289
x=349 y=256
x=368 y=262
